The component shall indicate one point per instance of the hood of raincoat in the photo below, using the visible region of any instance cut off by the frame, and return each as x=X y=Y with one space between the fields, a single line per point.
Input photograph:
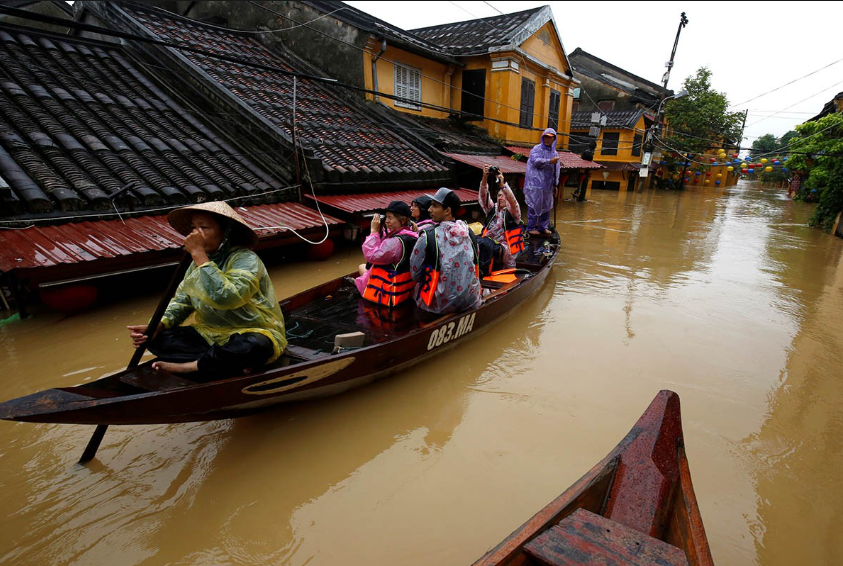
x=456 y=231
x=551 y=151
x=550 y=132
x=403 y=231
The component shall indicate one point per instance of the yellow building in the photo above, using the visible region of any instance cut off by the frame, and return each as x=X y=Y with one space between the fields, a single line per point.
x=621 y=133
x=512 y=74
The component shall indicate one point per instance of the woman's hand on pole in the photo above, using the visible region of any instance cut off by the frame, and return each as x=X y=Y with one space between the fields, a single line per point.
x=138 y=333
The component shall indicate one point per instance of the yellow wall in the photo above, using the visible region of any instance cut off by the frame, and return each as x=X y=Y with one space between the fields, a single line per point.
x=435 y=80
x=441 y=85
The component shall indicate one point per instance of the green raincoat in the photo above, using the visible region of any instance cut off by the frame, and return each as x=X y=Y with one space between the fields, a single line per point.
x=236 y=298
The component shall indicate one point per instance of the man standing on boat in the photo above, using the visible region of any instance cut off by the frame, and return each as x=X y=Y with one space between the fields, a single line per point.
x=542 y=177
x=444 y=260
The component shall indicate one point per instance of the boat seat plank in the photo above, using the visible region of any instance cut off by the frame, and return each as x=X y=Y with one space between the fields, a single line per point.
x=148 y=379
x=587 y=538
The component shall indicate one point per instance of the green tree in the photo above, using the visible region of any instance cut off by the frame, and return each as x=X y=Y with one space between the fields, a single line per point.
x=765 y=145
x=786 y=140
x=700 y=121
x=818 y=154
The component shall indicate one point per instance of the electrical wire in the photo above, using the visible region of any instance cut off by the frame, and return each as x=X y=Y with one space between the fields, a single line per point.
x=786 y=84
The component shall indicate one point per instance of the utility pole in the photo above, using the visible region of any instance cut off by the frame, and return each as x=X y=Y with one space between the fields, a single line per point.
x=649 y=144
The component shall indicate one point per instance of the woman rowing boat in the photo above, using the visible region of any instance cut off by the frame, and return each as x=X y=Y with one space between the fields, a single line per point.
x=238 y=324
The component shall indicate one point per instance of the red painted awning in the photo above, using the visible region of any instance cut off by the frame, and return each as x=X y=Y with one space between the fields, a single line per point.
x=374 y=201
x=504 y=163
x=568 y=159
x=77 y=242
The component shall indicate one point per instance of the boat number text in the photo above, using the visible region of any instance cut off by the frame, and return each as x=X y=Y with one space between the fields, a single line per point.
x=451 y=331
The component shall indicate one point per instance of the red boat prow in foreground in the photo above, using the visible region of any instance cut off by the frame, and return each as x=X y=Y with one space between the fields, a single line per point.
x=635 y=507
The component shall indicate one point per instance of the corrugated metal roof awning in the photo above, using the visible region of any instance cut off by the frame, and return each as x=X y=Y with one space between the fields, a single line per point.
x=505 y=164
x=48 y=246
x=375 y=201
x=568 y=159
x=619 y=166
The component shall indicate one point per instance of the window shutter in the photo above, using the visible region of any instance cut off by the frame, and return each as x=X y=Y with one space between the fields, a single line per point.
x=553 y=113
x=528 y=95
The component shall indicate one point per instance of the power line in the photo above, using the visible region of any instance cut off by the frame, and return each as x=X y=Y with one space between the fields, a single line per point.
x=787 y=84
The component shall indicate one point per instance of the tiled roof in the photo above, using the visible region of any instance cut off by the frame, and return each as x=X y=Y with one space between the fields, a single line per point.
x=587 y=64
x=452 y=136
x=477 y=36
x=374 y=201
x=367 y=22
x=581 y=119
x=505 y=164
x=80 y=242
x=80 y=122
x=568 y=159
x=355 y=142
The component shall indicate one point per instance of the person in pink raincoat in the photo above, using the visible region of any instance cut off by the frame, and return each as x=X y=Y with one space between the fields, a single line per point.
x=385 y=278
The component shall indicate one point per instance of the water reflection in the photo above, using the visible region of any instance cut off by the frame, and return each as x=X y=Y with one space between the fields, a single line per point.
x=722 y=295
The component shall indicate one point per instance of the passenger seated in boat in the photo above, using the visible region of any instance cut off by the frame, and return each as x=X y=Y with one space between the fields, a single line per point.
x=421 y=213
x=444 y=260
x=503 y=217
x=385 y=278
x=238 y=324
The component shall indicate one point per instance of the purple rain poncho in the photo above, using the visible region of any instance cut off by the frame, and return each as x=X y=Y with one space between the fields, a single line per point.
x=542 y=176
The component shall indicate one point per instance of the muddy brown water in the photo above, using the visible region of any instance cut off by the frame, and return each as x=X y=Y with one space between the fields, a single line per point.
x=725 y=297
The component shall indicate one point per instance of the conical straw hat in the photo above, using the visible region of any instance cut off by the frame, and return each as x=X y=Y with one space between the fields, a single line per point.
x=179 y=218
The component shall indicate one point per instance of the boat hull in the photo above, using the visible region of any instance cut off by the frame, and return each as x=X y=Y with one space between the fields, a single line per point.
x=169 y=399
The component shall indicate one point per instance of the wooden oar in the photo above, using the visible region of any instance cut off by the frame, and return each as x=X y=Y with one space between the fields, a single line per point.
x=99 y=433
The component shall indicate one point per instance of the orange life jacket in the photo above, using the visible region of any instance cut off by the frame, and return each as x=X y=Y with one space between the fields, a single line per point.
x=514 y=231
x=391 y=284
x=430 y=273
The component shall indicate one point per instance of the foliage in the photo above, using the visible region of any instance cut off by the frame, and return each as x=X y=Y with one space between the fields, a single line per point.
x=700 y=120
x=765 y=145
x=786 y=139
x=818 y=153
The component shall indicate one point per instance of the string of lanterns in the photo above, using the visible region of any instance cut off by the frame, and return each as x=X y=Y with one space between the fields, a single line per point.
x=746 y=167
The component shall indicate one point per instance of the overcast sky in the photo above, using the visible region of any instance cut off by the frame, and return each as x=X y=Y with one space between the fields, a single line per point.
x=750 y=47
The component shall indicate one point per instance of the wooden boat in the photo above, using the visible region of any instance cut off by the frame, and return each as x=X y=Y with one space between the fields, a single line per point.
x=635 y=507
x=310 y=366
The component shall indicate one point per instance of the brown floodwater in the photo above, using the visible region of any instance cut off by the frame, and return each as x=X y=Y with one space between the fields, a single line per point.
x=724 y=296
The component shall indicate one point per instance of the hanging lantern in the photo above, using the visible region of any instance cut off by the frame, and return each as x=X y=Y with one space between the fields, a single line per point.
x=720 y=174
x=662 y=162
x=763 y=160
x=696 y=180
x=768 y=169
x=750 y=170
x=708 y=173
x=730 y=168
x=715 y=164
x=784 y=169
x=706 y=181
x=605 y=175
x=777 y=162
x=687 y=179
x=712 y=160
x=697 y=173
x=716 y=182
x=735 y=155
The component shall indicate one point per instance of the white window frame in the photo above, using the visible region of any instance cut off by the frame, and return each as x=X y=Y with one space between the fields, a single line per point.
x=408 y=85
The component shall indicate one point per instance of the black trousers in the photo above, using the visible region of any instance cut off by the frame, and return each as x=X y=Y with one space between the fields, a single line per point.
x=184 y=344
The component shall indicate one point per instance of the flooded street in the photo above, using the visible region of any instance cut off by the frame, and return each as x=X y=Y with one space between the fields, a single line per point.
x=724 y=296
